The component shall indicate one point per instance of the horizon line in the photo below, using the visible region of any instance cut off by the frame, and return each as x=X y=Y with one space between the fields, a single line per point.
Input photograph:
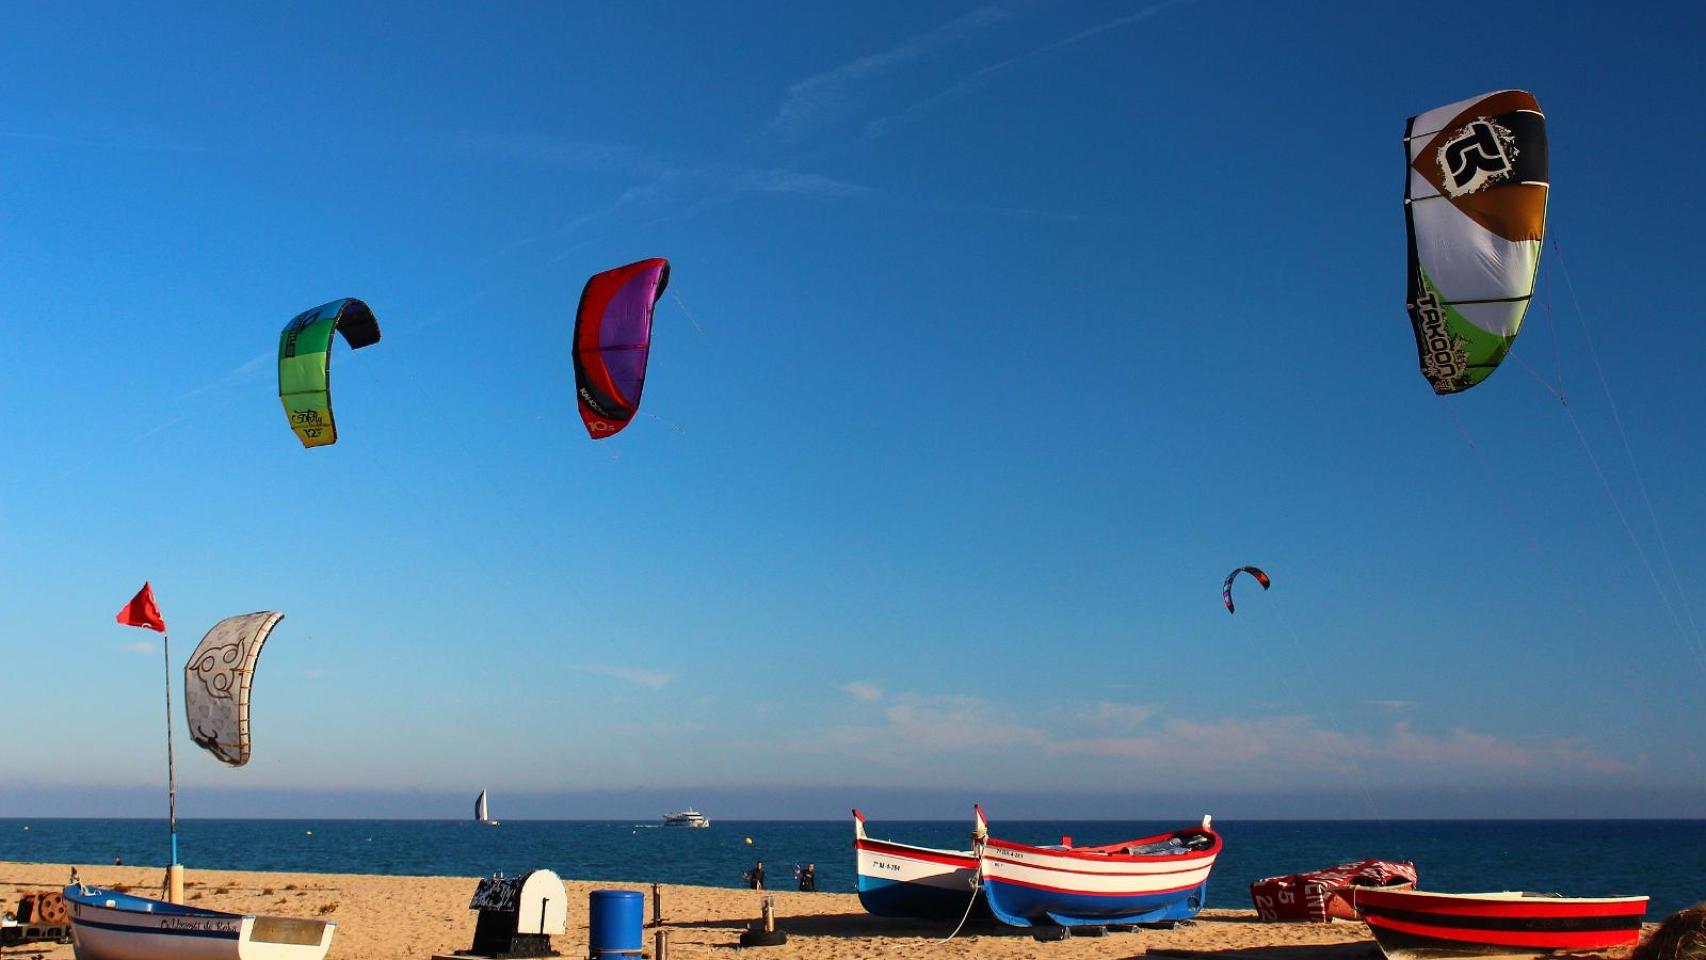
x=626 y=820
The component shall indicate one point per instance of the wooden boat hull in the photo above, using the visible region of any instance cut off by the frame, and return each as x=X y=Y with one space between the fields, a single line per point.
x=1027 y=906
x=902 y=880
x=108 y=925
x=1416 y=925
x=1083 y=886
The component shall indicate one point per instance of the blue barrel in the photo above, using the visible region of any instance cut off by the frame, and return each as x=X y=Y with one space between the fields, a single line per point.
x=616 y=921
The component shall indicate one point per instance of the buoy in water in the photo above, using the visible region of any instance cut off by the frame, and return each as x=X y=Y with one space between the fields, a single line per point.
x=748 y=839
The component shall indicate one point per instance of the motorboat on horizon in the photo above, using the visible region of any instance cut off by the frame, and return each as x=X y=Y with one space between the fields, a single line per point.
x=685 y=818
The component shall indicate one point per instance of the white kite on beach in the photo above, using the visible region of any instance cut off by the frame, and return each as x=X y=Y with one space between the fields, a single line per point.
x=216 y=684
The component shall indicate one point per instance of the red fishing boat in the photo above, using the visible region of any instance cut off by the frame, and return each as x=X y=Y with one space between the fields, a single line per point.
x=1413 y=925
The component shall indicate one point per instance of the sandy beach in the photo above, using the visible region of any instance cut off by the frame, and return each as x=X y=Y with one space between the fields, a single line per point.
x=390 y=918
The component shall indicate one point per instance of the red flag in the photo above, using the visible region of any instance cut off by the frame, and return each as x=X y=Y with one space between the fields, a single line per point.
x=141 y=611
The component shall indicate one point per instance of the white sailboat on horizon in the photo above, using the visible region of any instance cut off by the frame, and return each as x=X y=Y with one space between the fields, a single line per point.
x=480 y=813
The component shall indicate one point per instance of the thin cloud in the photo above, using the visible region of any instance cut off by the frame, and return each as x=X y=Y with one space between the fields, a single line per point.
x=664 y=174
x=47 y=138
x=1390 y=704
x=860 y=690
x=652 y=679
x=127 y=143
x=658 y=729
x=139 y=646
x=243 y=371
x=237 y=375
x=975 y=81
x=958 y=723
x=805 y=184
x=672 y=187
x=626 y=199
x=765 y=181
x=809 y=100
x=160 y=427
x=1460 y=746
x=918 y=731
x=1044 y=216
x=1122 y=715
x=1292 y=743
x=915 y=733
x=546 y=150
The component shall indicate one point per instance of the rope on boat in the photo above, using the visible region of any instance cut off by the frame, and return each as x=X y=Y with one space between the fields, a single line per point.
x=976 y=885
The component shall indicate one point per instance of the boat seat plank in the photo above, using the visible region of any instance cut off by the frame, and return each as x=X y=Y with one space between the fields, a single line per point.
x=288 y=930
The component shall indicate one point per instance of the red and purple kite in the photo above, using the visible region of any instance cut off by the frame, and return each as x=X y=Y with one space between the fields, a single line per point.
x=1226 y=588
x=613 y=337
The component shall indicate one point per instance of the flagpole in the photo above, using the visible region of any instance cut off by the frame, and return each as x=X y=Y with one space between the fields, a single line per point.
x=174 y=873
x=143 y=612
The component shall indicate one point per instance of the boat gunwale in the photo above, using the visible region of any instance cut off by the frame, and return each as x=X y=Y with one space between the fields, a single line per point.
x=1188 y=866
x=1104 y=854
x=1489 y=904
x=1076 y=892
x=98 y=897
x=957 y=858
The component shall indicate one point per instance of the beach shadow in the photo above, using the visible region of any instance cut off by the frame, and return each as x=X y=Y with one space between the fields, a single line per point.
x=861 y=925
x=1360 y=950
x=1252 y=918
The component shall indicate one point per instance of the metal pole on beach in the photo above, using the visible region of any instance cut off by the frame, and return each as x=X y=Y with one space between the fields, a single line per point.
x=174 y=871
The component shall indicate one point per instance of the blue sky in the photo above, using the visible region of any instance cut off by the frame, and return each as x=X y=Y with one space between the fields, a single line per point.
x=996 y=336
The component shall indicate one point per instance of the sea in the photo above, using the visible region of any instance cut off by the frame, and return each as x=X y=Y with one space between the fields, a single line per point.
x=1664 y=859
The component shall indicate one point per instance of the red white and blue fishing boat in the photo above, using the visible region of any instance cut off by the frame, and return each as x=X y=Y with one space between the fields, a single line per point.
x=1148 y=880
x=902 y=880
x=1417 y=925
x=109 y=925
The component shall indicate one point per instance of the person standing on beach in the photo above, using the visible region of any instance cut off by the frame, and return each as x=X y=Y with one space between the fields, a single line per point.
x=808 y=878
x=755 y=876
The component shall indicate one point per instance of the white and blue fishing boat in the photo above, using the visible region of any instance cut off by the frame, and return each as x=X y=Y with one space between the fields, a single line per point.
x=901 y=880
x=1148 y=880
x=109 y=925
